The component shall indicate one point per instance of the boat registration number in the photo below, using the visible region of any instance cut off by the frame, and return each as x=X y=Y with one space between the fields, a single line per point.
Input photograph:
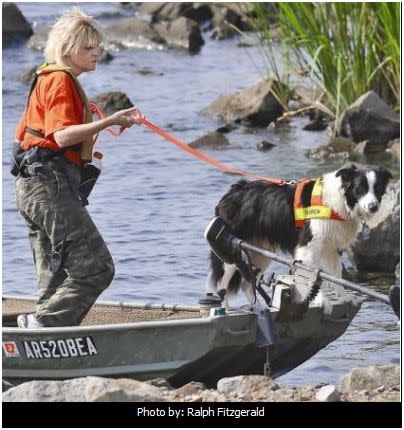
x=60 y=348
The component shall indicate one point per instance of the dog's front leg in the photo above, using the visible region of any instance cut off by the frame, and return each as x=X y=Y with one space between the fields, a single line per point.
x=210 y=285
x=248 y=292
x=311 y=255
x=223 y=284
x=326 y=258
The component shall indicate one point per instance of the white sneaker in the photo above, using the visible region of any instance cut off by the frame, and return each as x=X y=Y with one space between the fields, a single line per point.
x=28 y=321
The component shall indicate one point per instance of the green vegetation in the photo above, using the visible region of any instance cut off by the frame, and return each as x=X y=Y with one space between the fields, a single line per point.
x=347 y=48
x=275 y=63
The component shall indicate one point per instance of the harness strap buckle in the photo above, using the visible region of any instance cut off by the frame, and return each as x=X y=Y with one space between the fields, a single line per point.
x=34 y=169
x=290 y=182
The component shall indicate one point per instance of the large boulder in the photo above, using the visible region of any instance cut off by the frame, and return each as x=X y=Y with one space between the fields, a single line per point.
x=255 y=105
x=6 y=385
x=249 y=386
x=112 y=101
x=214 y=140
x=134 y=33
x=328 y=393
x=370 y=118
x=181 y=33
x=15 y=28
x=140 y=33
x=338 y=148
x=371 y=384
x=228 y=20
x=379 y=251
x=170 y=11
x=88 y=389
x=371 y=378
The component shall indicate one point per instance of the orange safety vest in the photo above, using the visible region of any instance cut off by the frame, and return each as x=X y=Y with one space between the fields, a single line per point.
x=316 y=210
x=86 y=146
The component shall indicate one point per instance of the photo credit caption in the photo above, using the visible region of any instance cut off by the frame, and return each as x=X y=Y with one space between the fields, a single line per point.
x=200 y=412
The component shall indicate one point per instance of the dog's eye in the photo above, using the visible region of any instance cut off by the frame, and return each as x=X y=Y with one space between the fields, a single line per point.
x=362 y=186
x=379 y=188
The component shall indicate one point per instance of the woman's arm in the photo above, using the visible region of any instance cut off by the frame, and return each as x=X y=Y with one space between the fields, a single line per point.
x=76 y=133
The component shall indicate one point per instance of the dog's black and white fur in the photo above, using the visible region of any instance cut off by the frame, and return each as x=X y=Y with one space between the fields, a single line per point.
x=262 y=214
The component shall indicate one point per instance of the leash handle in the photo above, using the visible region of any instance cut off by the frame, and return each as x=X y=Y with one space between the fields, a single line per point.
x=95 y=109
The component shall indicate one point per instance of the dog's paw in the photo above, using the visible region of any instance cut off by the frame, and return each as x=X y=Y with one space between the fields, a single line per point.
x=222 y=293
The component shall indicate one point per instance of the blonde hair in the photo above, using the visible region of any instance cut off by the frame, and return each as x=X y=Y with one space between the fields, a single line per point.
x=72 y=31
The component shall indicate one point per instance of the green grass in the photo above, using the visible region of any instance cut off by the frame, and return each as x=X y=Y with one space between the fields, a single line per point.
x=273 y=62
x=347 y=48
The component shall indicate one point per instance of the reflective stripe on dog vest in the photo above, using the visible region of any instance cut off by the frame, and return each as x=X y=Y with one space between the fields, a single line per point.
x=316 y=210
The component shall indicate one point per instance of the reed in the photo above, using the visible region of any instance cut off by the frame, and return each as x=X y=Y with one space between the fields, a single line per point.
x=387 y=42
x=274 y=63
x=347 y=48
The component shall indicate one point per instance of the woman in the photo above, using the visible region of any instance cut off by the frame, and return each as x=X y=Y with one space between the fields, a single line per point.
x=72 y=260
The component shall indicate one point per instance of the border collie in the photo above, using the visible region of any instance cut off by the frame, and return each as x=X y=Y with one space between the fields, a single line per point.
x=262 y=214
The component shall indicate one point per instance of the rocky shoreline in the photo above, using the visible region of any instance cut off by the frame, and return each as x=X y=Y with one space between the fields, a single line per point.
x=370 y=384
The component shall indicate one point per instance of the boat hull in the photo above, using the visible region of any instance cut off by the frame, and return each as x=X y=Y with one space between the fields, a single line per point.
x=179 y=350
x=144 y=350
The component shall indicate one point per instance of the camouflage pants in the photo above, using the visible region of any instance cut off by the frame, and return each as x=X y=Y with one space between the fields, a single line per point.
x=72 y=261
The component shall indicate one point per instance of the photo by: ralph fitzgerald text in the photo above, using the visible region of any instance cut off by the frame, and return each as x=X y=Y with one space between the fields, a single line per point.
x=200 y=412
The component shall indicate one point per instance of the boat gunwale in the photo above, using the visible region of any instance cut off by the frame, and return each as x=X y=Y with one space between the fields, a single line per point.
x=119 y=326
x=111 y=303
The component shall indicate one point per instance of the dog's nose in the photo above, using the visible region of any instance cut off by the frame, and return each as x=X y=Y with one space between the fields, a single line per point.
x=373 y=207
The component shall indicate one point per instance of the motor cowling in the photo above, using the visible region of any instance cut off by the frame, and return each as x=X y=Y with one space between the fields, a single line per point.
x=227 y=247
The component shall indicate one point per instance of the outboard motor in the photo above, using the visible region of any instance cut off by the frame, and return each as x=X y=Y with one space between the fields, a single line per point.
x=227 y=247
x=220 y=240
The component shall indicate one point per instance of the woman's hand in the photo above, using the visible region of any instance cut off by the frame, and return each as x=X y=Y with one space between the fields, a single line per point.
x=126 y=117
x=76 y=133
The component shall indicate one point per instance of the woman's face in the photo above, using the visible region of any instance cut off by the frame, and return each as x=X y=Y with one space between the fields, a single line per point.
x=84 y=60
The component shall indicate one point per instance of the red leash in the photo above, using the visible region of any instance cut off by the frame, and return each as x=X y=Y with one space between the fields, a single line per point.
x=316 y=200
x=198 y=154
x=95 y=109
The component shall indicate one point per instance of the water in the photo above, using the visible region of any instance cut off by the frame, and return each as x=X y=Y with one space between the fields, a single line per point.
x=153 y=201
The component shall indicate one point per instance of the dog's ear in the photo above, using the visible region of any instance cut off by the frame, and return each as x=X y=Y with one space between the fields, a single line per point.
x=347 y=174
x=385 y=175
